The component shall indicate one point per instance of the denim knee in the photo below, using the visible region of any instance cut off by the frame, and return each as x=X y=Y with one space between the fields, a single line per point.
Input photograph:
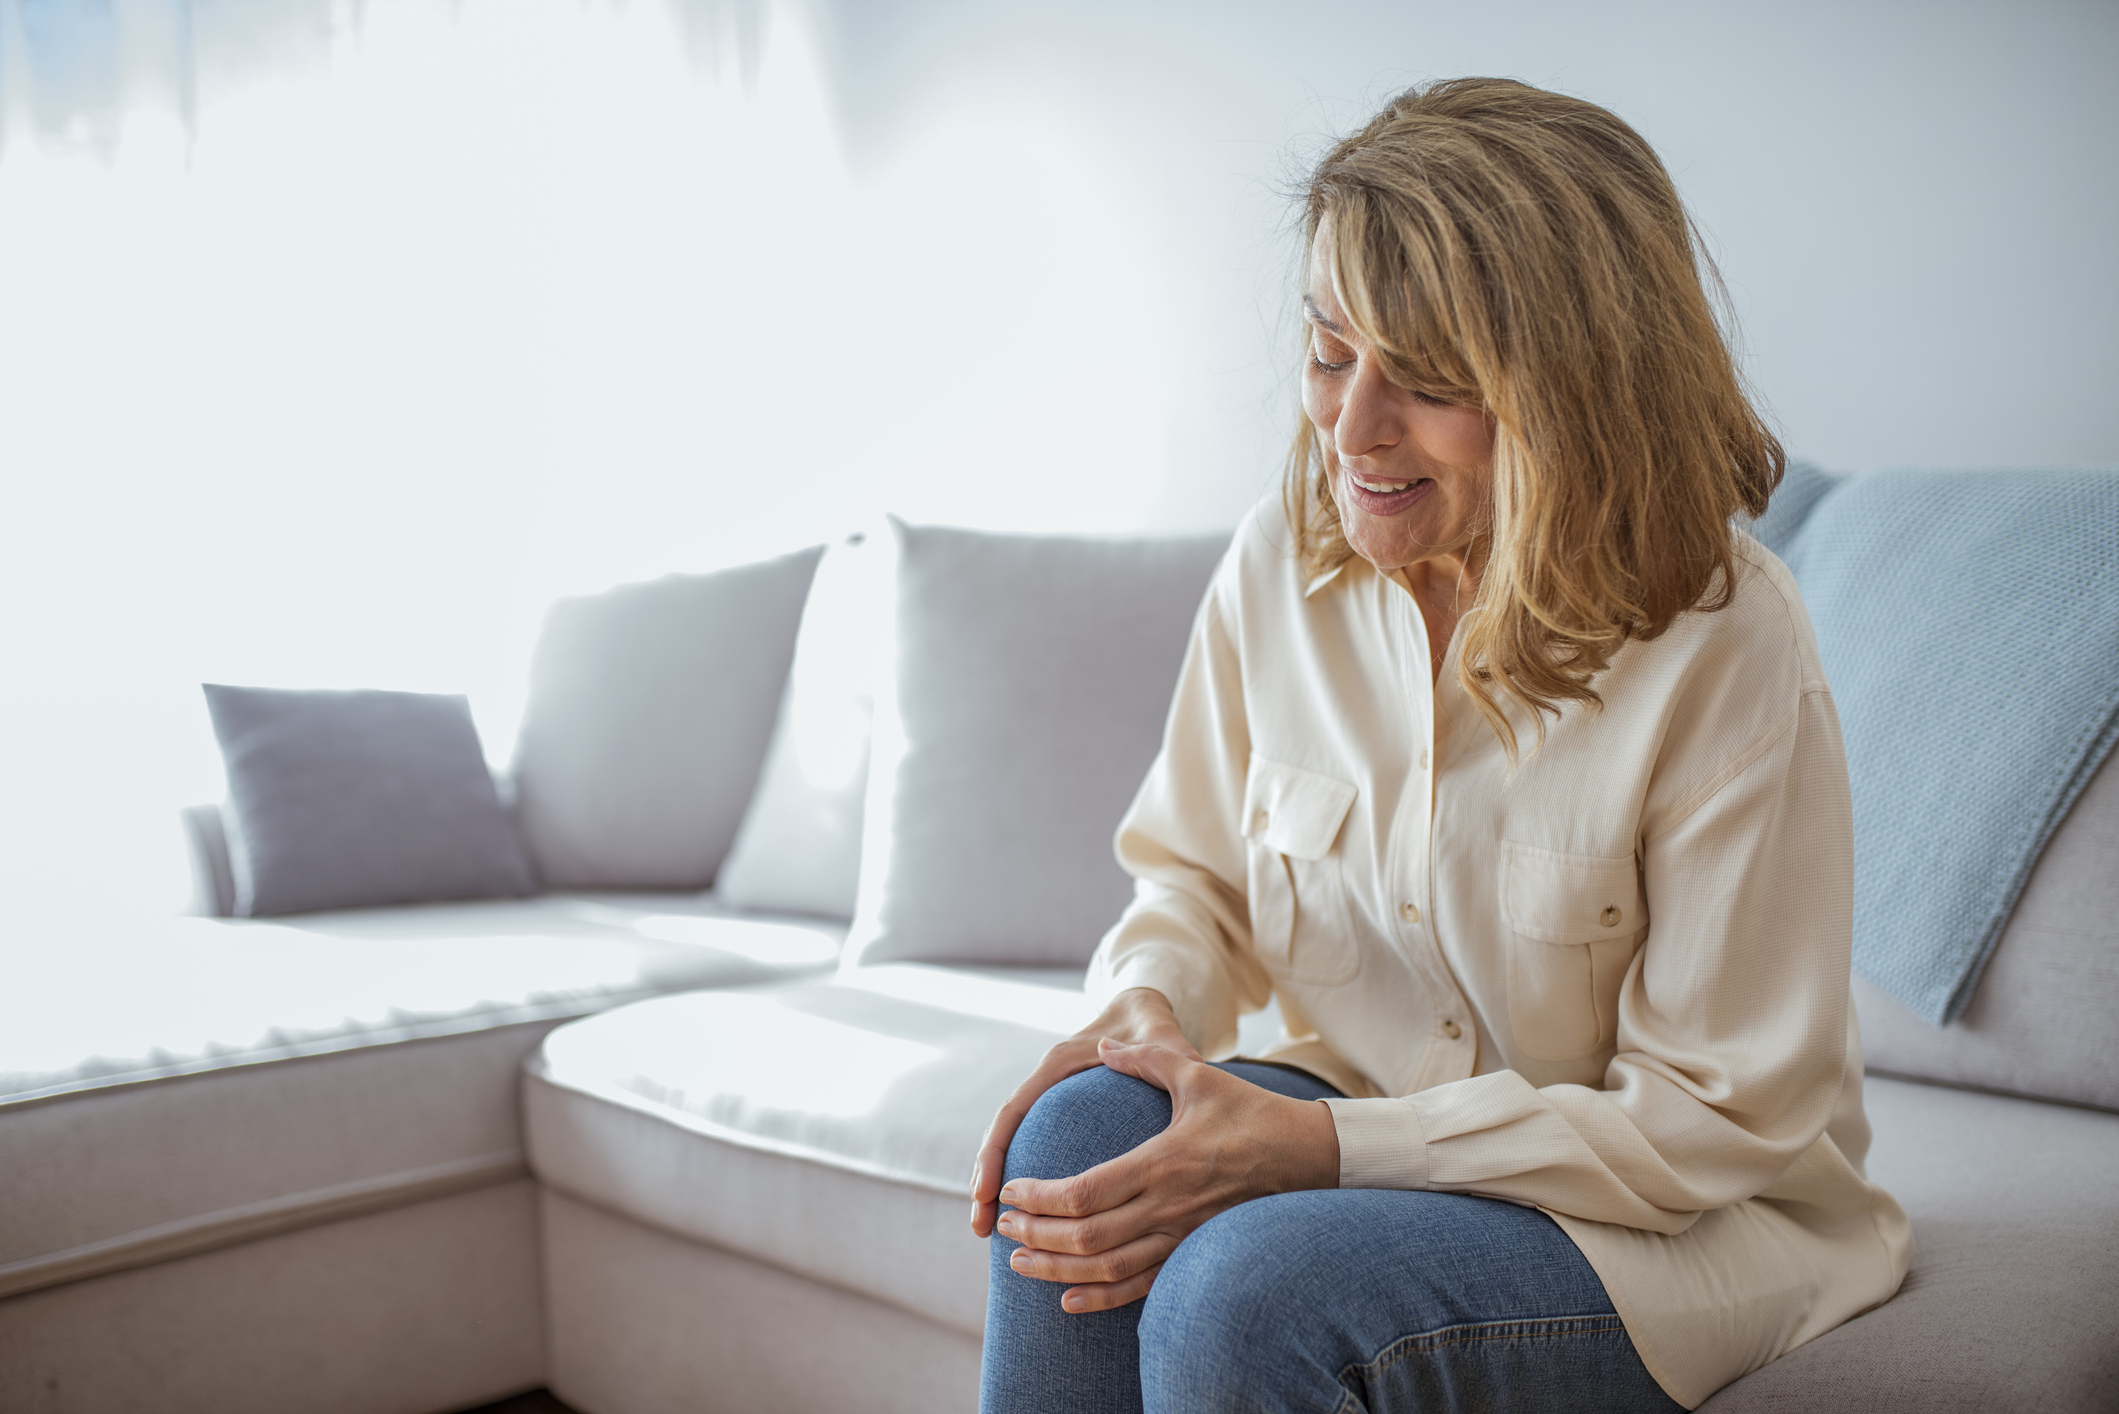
x=1226 y=1313
x=1220 y=1282
x=1085 y=1120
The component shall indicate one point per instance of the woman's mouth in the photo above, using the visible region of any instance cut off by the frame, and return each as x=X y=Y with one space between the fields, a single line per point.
x=1377 y=496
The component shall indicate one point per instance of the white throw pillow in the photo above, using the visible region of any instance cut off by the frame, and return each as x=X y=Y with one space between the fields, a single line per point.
x=649 y=713
x=799 y=850
x=1033 y=678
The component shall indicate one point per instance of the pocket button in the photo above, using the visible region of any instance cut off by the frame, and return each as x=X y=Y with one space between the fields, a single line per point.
x=1452 y=1030
x=1411 y=912
x=1609 y=917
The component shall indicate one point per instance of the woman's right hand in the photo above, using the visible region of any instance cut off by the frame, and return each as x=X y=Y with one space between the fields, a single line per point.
x=1136 y=1016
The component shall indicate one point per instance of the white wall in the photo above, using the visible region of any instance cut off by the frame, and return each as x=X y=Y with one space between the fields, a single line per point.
x=334 y=371
x=1914 y=204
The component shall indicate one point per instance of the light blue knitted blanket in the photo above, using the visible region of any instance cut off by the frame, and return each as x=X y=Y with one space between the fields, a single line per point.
x=1969 y=625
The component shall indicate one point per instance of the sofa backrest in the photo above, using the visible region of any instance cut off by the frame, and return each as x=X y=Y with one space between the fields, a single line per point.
x=2045 y=1019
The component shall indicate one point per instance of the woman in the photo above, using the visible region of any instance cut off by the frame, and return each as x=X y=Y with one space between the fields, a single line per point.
x=1509 y=770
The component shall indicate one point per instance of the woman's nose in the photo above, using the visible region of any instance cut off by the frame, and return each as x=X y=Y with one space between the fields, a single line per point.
x=1371 y=415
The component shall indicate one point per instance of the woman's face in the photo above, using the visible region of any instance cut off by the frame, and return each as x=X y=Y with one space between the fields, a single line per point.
x=1412 y=476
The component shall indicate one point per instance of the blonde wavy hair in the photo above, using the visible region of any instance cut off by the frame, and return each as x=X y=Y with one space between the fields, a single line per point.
x=1524 y=252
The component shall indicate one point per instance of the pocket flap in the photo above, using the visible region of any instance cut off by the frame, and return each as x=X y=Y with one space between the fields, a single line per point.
x=1570 y=898
x=1292 y=811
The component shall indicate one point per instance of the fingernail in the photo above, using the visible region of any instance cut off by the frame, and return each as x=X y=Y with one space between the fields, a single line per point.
x=1019 y=1258
x=1011 y=1194
x=976 y=1208
x=1006 y=1225
x=974 y=1180
x=1072 y=1302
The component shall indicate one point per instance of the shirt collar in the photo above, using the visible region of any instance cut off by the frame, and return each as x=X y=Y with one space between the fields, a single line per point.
x=1326 y=578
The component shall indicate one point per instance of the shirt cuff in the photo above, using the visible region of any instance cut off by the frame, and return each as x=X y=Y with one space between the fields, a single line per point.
x=1381 y=1144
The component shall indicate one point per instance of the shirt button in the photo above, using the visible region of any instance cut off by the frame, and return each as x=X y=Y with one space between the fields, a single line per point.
x=1423 y=760
x=1411 y=912
x=1452 y=1030
x=1258 y=820
x=1609 y=917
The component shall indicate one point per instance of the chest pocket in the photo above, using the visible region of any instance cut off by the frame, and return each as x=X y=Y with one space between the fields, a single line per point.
x=1574 y=921
x=1300 y=921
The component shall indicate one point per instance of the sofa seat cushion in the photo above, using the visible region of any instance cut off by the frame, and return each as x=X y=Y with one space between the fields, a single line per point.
x=146 y=999
x=2013 y=1299
x=829 y=1128
x=186 y=1083
x=826 y=1128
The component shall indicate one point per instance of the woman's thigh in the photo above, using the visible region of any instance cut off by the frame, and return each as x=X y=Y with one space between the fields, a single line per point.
x=1368 y=1299
x=1040 y=1359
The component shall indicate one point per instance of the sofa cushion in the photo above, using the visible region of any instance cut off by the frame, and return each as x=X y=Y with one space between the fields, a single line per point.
x=268 y=1076
x=205 y=830
x=2013 y=1299
x=799 y=848
x=649 y=712
x=1961 y=765
x=735 y=1118
x=1801 y=488
x=2041 y=1022
x=351 y=799
x=1033 y=679
x=738 y=1118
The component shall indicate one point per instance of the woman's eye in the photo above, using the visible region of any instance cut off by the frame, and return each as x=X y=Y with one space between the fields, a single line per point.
x=1330 y=359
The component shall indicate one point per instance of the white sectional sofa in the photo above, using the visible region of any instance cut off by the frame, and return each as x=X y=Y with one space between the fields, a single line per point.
x=660 y=1153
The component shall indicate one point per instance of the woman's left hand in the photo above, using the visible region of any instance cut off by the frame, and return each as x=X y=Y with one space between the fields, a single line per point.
x=1106 y=1231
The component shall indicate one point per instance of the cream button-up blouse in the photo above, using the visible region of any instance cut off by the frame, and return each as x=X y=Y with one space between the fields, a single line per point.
x=1613 y=985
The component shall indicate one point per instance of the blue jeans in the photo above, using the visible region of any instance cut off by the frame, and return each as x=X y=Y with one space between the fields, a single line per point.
x=1335 y=1299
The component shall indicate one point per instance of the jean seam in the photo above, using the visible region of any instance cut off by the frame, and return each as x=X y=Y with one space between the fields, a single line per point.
x=1425 y=1341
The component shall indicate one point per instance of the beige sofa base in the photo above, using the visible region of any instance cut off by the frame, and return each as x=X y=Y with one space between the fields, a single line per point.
x=430 y=1307
x=644 y=1322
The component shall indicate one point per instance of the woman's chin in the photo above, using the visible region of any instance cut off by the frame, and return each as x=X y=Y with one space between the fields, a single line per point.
x=1389 y=547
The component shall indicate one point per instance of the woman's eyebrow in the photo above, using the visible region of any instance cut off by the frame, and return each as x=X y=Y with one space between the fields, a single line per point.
x=1316 y=315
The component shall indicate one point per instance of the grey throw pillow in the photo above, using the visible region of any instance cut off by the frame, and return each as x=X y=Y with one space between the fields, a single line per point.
x=349 y=799
x=649 y=713
x=1033 y=679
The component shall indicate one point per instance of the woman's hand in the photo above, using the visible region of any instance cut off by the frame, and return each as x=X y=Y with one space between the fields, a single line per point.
x=1106 y=1231
x=1138 y=1015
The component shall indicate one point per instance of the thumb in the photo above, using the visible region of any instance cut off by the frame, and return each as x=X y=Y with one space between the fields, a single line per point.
x=1158 y=1065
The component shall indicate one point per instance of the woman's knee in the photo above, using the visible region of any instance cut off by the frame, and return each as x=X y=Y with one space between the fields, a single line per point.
x=1228 y=1309
x=1085 y=1120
